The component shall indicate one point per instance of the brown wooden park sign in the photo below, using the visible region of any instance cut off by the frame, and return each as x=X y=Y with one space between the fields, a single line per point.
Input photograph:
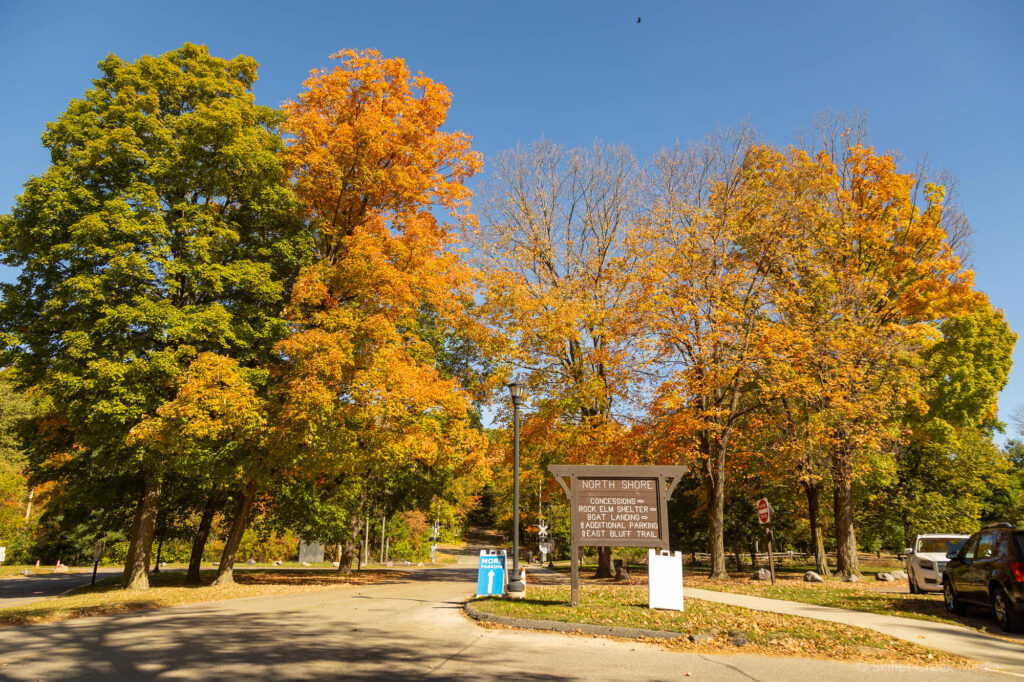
x=616 y=506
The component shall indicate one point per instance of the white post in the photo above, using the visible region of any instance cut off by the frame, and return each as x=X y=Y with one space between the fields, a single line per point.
x=366 y=541
x=28 y=507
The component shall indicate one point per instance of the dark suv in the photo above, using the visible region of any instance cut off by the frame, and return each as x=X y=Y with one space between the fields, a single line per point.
x=988 y=571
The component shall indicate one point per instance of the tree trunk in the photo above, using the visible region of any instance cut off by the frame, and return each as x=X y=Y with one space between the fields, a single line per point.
x=136 y=567
x=129 y=559
x=159 y=554
x=714 y=484
x=348 y=554
x=846 y=538
x=348 y=549
x=604 y=563
x=225 y=569
x=753 y=555
x=195 y=560
x=817 y=541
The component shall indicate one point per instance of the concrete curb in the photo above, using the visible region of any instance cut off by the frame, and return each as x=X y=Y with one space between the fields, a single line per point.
x=559 y=626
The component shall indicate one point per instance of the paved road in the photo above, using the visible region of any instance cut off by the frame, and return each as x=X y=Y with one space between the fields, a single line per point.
x=408 y=629
x=26 y=589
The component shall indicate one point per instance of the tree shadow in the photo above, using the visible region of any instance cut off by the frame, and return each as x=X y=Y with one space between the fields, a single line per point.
x=219 y=646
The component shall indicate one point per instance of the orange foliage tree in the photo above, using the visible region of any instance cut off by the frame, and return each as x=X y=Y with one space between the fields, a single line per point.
x=862 y=289
x=716 y=232
x=361 y=394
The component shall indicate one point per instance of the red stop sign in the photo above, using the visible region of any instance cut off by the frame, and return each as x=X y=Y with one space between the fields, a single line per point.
x=764 y=511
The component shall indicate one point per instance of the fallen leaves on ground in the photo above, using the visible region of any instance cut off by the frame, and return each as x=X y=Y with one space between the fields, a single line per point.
x=766 y=633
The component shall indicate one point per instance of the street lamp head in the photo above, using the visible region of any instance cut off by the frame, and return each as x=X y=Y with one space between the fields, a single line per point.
x=515 y=389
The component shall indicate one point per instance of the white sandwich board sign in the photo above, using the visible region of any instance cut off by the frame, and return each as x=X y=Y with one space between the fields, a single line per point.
x=665 y=579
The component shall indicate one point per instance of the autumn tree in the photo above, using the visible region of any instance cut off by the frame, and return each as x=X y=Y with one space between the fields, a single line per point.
x=714 y=236
x=362 y=390
x=554 y=272
x=863 y=288
x=802 y=441
x=162 y=228
x=214 y=431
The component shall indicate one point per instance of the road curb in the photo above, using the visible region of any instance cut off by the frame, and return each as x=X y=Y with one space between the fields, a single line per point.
x=559 y=626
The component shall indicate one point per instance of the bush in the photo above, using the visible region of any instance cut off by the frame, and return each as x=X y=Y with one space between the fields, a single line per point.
x=264 y=545
x=410 y=537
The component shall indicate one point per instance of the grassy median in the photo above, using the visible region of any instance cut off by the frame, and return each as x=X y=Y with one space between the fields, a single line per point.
x=168 y=589
x=868 y=595
x=716 y=627
x=851 y=596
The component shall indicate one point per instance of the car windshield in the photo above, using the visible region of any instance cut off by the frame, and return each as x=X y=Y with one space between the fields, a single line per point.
x=939 y=545
x=1020 y=544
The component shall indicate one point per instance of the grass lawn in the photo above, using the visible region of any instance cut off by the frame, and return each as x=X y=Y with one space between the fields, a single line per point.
x=767 y=633
x=168 y=589
x=867 y=595
x=871 y=596
x=851 y=596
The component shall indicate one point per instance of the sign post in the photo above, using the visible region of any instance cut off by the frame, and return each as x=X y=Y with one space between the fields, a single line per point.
x=97 y=554
x=615 y=506
x=764 y=515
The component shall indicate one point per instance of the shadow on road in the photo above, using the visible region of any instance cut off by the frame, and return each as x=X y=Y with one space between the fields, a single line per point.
x=229 y=647
x=445 y=574
x=47 y=585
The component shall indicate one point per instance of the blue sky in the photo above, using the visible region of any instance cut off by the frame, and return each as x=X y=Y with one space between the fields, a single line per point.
x=942 y=78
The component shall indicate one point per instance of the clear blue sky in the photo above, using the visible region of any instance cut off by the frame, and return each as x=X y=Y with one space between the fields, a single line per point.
x=944 y=78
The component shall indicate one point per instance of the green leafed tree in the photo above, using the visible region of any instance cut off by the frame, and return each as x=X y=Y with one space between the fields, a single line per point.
x=1007 y=503
x=163 y=228
x=15 y=407
x=947 y=467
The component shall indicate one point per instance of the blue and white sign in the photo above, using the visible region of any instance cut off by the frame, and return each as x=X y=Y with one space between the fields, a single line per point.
x=490 y=578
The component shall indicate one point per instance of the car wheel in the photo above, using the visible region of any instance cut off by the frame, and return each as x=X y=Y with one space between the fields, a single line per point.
x=913 y=583
x=1009 y=620
x=953 y=604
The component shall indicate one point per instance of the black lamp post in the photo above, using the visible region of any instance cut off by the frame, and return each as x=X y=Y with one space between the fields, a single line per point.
x=516 y=588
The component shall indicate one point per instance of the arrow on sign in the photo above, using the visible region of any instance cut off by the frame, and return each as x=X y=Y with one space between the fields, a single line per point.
x=490 y=581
